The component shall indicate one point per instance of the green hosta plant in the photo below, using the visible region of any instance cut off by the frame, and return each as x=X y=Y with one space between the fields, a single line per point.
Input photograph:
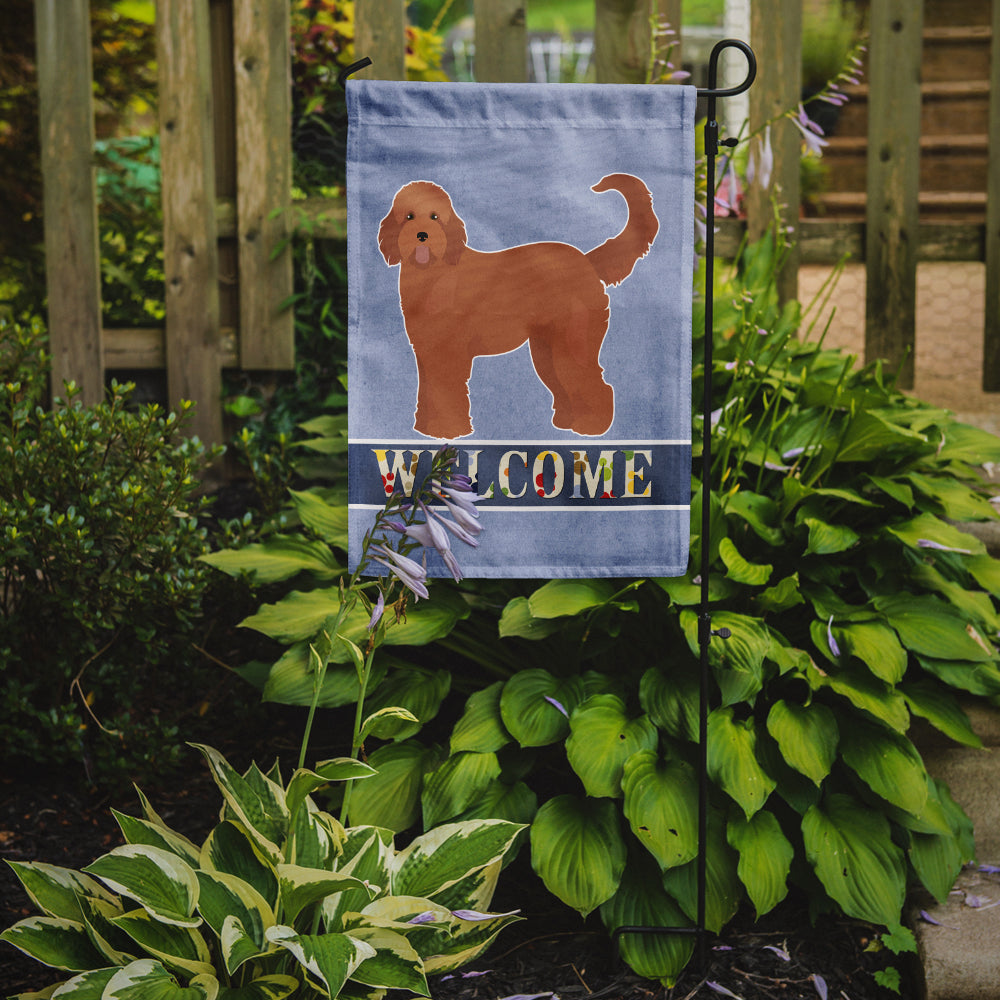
x=855 y=605
x=279 y=900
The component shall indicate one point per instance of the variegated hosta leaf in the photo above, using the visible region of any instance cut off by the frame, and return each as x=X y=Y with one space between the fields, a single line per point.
x=116 y=947
x=765 y=858
x=300 y=887
x=642 y=902
x=273 y=987
x=807 y=736
x=329 y=959
x=661 y=799
x=391 y=799
x=732 y=760
x=476 y=890
x=456 y=784
x=141 y=831
x=578 y=851
x=230 y=849
x=602 y=737
x=256 y=801
x=177 y=947
x=367 y=853
x=888 y=763
x=723 y=889
x=315 y=838
x=395 y=964
x=850 y=847
x=481 y=727
x=56 y=891
x=535 y=706
x=466 y=941
x=54 y=941
x=441 y=857
x=304 y=782
x=86 y=986
x=158 y=880
x=147 y=979
x=225 y=897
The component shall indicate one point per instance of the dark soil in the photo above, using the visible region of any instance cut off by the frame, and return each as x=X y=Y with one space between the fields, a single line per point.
x=551 y=952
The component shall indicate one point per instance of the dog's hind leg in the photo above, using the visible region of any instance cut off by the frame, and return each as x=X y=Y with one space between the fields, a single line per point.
x=443 y=409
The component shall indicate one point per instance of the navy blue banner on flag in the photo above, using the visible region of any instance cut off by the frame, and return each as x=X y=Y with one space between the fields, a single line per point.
x=520 y=263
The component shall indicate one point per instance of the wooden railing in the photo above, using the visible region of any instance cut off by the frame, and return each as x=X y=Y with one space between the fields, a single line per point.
x=226 y=161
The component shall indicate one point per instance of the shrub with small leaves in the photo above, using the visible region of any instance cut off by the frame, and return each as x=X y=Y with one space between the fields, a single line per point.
x=99 y=572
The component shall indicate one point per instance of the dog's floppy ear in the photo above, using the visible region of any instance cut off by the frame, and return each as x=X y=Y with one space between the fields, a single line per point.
x=454 y=230
x=388 y=239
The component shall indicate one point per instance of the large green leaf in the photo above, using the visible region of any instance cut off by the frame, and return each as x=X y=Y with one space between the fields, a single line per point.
x=602 y=738
x=941 y=709
x=739 y=569
x=765 y=858
x=456 y=784
x=280 y=557
x=559 y=598
x=732 y=760
x=535 y=706
x=738 y=661
x=866 y=692
x=828 y=539
x=481 y=728
x=291 y=680
x=301 y=887
x=517 y=620
x=442 y=857
x=807 y=736
x=888 y=763
x=273 y=987
x=850 y=848
x=54 y=941
x=671 y=699
x=577 y=850
x=932 y=628
x=661 y=800
x=328 y=520
x=758 y=511
x=976 y=678
x=956 y=500
x=723 y=889
x=640 y=901
x=924 y=528
x=391 y=798
x=870 y=435
x=330 y=959
x=164 y=885
x=876 y=646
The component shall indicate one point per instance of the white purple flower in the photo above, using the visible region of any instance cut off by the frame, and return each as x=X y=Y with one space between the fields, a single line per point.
x=811 y=132
x=377 y=612
x=410 y=573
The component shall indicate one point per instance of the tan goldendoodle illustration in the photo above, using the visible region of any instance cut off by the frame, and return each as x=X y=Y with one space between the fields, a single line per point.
x=460 y=304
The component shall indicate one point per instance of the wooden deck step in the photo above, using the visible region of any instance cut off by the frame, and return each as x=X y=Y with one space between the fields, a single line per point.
x=958 y=206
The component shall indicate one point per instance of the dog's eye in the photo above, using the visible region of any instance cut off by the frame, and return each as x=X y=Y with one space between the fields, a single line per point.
x=434 y=215
x=409 y=215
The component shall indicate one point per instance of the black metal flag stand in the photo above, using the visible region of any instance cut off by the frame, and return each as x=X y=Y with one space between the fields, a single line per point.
x=705 y=631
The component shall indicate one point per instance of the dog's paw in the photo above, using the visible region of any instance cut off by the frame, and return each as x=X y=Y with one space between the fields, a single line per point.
x=443 y=430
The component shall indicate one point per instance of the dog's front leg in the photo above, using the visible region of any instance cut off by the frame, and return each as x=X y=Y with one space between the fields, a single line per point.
x=443 y=409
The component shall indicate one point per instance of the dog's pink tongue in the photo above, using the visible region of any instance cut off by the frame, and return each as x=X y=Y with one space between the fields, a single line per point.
x=422 y=253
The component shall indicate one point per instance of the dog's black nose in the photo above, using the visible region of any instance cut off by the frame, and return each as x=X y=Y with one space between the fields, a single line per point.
x=421 y=237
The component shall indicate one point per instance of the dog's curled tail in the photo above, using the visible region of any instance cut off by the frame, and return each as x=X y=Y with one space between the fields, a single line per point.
x=614 y=258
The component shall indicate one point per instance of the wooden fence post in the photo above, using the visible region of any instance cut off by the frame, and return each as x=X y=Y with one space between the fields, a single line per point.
x=776 y=35
x=991 y=332
x=621 y=40
x=262 y=61
x=380 y=34
x=892 y=215
x=190 y=252
x=501 y=38
x=72 y=255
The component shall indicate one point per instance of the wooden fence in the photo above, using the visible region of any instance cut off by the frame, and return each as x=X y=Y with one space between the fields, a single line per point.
x=226 y=161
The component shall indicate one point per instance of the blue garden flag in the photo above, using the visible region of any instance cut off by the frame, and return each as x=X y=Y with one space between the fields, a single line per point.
x=520 y=273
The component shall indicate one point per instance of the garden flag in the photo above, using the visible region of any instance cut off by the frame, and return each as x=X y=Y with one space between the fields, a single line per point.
x=520 y=272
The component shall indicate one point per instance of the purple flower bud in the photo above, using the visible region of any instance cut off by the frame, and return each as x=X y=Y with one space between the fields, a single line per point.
x=927 y=543
x=834 y=648
x=377 y=612
x=427 y=917
x=410 y=573
x=558 y=705
x=820 y=983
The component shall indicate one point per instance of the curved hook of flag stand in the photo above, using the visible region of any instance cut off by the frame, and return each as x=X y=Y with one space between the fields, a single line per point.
x=705 y=631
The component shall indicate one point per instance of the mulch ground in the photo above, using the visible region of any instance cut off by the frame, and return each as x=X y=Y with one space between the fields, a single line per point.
x=550 y=953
